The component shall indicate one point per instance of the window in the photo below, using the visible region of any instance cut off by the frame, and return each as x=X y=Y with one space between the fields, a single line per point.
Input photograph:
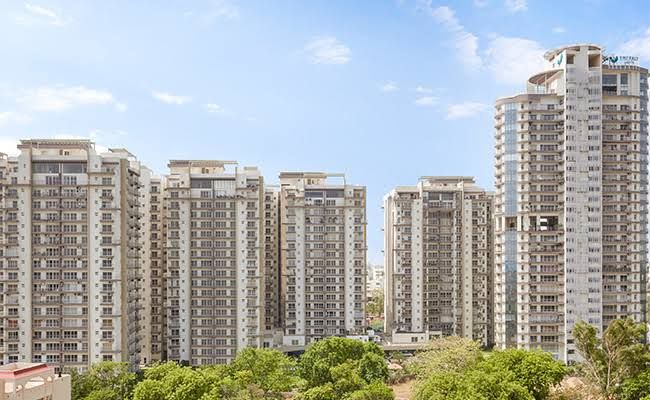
x=609 y=79
x=623 y=79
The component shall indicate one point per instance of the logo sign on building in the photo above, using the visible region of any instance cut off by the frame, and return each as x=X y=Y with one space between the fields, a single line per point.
x=558 y=61
x=620 y=60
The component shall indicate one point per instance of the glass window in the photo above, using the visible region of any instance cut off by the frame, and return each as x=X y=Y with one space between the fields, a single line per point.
x=609 y=79
x=74 y=168
x=623 y=79
x=46 y=168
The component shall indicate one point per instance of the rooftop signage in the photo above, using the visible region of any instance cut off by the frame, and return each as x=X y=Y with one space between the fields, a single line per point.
x=620 y=60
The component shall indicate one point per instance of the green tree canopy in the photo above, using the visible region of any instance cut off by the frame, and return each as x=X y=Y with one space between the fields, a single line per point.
x=375 y=306
x=270 y=370
x=253 y=374
x=452 y=354
x=535 y=370
x=474 y=384
x=316 y=363
x=322 y=392
x=619 y=355
x=636 y=387
x=373 y=367
x=374 y=391
x=105 y=380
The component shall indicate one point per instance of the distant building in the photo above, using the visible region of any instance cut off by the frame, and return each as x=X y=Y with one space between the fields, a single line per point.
x=438 y=243
x=375 y=278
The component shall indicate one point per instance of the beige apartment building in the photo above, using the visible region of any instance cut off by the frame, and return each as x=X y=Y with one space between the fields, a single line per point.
x=271 y=218
x=152 y=268
x=33 y=381
x=438 y=254
x=70 y=254
x=215 y=260
x=571 y=200
x=100 y=259
x=322 y=257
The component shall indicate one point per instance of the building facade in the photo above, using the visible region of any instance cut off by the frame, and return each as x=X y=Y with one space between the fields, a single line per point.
x=271 y=241
x=33 y=381
x=70 y=257
x=438 y=246
x=215 y=260
x=571 y=200
x=100 y=259
x=152 y=295
x=322 y=257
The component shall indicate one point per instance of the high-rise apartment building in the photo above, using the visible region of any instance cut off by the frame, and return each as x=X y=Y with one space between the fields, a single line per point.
x=571 y=200
x=70 y=254
x=322 y=256
x=271 y=241
x=152 y=268
x=215 y=260
x=438 y=247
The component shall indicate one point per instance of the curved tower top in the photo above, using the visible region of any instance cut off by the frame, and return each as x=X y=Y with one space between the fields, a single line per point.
x=551 y=54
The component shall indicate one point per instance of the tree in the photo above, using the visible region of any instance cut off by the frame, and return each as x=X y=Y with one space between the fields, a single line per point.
x=322 y=392
x=253 y=374
x=375 y=306
x=149 y=390
x=617 y=356
x=270 y=370
x=373 y=367
x=636 y=387
x=535 y=370
x=373 y=391
x=105 y=380
x=346 y=379
x=316 y=363
x=474 y=384
x=170 y=381
x=453 y=354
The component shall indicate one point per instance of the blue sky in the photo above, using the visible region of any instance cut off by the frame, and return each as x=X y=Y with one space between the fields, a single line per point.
x=384 y=91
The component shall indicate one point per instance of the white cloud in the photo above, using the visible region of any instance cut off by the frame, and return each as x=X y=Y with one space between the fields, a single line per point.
x=8 y=145
x=465 y=110
x=559 y=29
x=638 y=46
x=171 y=98
x=513 y=60
x=426 y=101
x=463 y=42
x=121 y=107
x=219 y=9
x=62 y=98
x=12 y=117
x=515 y=6
x=389 y=87
x=327 y=50
x=423 y=90
x=35 y=14
x=214 y=108
x=480 y=3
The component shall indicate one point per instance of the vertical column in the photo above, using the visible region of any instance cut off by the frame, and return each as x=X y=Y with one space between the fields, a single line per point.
x=348 y=202
x=466 y=270
x=417 y=268
x=25 y=255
